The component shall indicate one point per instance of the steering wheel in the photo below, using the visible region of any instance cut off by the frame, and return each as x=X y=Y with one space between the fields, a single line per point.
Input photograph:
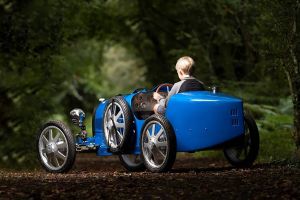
x=164 y=85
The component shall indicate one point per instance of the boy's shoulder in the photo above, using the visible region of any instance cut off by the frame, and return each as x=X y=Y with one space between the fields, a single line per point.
x=179 y=82
x=176 y=86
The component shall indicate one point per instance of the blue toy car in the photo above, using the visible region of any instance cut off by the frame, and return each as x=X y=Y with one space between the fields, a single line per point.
x=126 y=126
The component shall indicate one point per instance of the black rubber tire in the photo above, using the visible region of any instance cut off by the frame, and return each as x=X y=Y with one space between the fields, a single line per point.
x=253 y=146
x=70 y=142
x=171 y=138
x=130 y=167
x=128 y=124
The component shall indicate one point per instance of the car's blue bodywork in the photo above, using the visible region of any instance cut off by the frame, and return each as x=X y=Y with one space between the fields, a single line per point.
x=200 y=119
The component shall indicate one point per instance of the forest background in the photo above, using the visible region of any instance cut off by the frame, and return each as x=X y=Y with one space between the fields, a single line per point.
x=56 y=55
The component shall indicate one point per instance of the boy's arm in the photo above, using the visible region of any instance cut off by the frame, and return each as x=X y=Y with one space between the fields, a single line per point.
x=174 y=90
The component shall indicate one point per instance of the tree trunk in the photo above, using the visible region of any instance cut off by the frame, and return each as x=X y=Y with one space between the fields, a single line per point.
x=294 y=83
x=296 y=102
x=292 y=69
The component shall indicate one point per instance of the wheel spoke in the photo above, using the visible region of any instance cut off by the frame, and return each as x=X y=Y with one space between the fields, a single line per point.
x=147 y=145
x=50 y=134
x=155 y=160
x=147 y=148
x=60 y=155
x=108 y=114
x=44 y=151
x=159 y=133
x=44 y=139
x=115 y=138
x=61 y=145
x=55 y=160
x=114 y=109
x=153 y=130
x=161 y=144
x=161 y=153
x=148 y=135
x=118 y=115
x=120 y=135
x=111 y=109
x=111 y=136
x=56 y=137
x=49 y=158
x=149 y=153
x=120 y=125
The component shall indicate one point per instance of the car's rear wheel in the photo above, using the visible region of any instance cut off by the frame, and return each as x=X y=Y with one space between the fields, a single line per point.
x=117 y=124
x=158 y=144
x=132 y=162
x=245 y=152
x=56 y=147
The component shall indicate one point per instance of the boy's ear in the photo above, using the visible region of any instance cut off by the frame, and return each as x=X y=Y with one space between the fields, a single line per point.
x=181 y=72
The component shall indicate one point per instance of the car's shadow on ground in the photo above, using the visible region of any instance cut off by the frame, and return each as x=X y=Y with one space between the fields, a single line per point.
x=91 y=163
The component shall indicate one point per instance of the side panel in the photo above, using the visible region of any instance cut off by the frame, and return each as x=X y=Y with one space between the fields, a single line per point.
x=203 y=119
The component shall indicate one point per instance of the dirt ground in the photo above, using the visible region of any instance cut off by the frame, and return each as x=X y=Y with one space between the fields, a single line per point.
x=104 y=178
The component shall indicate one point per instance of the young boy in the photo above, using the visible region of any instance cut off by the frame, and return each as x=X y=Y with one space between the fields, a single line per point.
x=184 y=68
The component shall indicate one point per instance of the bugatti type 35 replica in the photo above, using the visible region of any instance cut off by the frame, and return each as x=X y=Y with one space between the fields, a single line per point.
x=126 y=126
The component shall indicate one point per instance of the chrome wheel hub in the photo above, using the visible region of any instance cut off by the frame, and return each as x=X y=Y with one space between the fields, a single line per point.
x=110 y=125
x=51 y=147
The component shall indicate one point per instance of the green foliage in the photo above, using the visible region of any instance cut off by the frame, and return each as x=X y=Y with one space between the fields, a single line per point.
x=27 y=76
x=276 y=135
x=122 y=71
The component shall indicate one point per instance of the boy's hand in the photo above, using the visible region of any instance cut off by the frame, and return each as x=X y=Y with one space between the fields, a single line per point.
x=157 y=96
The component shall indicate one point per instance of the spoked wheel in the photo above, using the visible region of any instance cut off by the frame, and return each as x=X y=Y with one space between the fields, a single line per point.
x=158 y=144
x=56 y=147
x=245 y=153
x=132 y=162
x=117 y=122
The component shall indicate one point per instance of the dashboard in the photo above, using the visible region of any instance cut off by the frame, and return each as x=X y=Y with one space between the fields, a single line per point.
x=142 y=104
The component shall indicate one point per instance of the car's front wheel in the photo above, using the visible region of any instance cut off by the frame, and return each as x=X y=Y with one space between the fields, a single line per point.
x=56 y=147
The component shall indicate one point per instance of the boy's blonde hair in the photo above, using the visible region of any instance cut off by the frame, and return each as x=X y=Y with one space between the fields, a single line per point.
x=186 y=64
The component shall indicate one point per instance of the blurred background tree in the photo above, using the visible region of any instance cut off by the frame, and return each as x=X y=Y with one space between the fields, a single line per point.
x=56 y=55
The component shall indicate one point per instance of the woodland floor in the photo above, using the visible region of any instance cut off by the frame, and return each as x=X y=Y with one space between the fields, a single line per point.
x=104 y=178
